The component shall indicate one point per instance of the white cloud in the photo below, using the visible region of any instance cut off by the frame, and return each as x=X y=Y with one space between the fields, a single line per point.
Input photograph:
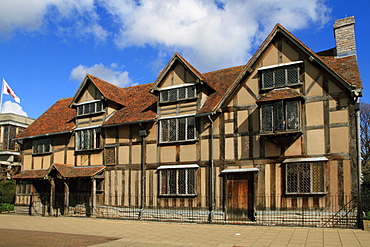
x=210 y=34
x=110 y=74
x=11 y=107
x=35 y=16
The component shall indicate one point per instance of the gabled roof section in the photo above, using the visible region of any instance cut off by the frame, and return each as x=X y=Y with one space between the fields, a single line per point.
x=108 y=90
x=140 y=106
x=221 y=80
x=70 y=171
x=347 y=66
x=65 y=171
x=176 y=58
x=59 y=118
x=338 y=69
x=31 y=174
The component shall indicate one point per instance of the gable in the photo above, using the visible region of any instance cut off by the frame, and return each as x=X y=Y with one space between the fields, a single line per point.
x=88 y=93
x=178 y=75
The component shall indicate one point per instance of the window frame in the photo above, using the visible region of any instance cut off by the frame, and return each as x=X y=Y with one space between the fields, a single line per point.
x=275 y=69
x=185 y=188
x=285 y=116
x=175 y=93
x=84 y=109
x=301 y=177
x=189 y=129
x=41 y=146
x=88 y=136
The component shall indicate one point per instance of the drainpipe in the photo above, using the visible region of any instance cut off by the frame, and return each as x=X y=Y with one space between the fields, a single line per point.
x=143 y=133
x=212 y=174
x=359 y=166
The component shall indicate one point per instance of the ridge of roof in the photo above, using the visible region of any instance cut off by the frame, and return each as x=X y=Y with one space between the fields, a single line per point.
x=108 y=90
x=176 y=56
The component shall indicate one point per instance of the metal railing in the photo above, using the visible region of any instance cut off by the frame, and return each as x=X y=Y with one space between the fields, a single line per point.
x=272 y=210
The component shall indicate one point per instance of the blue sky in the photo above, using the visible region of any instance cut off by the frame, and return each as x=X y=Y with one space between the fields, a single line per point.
x=47 y=46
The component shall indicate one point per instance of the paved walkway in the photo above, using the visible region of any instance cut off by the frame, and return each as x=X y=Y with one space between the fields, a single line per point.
x=19 y=230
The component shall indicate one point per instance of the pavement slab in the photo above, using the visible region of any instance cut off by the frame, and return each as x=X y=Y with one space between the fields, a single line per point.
x=22 y=230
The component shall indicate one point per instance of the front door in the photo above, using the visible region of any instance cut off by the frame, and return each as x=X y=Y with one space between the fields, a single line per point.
x=239 y=196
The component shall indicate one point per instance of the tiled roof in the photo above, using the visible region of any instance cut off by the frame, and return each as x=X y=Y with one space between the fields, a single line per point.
x=221 y=80
x=65 y=170
x=347 y=66
x=70 y=171
x=109 y=91
x=28 y=174
x=140 y=105
x=279 y=94
x=58 y=118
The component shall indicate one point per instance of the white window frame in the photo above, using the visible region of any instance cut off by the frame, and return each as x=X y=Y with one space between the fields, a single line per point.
x=175 y=122
x=187 y=187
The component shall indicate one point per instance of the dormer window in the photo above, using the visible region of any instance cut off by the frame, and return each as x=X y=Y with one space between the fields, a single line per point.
x=177 y=93
x=280 y=75
x=91 y=107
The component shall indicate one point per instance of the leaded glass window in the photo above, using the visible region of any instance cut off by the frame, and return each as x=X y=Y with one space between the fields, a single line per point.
x=177 y=182
x=280 y=115
x=177 y=129
x=90 y=108
x=88 y=139
x=175 y=94
x=41 y=146
x=305 y=177
x=280 y=76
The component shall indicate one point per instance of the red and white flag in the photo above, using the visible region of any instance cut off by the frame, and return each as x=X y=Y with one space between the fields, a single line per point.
x=8 y=91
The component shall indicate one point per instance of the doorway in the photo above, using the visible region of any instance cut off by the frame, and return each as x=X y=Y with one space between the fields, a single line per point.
x=239 y=196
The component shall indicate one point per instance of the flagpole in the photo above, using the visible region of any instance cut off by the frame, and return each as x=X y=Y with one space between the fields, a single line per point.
x=1 y=95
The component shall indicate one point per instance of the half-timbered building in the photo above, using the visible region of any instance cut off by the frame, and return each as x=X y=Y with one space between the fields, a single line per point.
x=277 y=133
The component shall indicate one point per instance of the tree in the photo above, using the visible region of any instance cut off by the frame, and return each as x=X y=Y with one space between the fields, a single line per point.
x=365 y=146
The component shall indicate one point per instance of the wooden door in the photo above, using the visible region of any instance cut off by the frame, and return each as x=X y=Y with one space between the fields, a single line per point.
x=239 y=196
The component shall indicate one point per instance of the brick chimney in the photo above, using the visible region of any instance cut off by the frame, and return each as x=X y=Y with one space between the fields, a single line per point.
x=344 y=33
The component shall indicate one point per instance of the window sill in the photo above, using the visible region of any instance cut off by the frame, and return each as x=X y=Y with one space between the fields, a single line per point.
x=178 y=142
x=42 y=154
x=177 y=196
x=294 y=85
x=282 y=132
x=306 y=194
x=95 y=150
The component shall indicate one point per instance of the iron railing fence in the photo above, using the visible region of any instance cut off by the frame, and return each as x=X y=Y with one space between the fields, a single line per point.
x=273 y=210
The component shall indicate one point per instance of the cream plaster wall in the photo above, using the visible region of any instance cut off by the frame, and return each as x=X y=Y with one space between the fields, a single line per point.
x=315 y=113
x=229 y=148
x=295 y=148
x=168 y=154
x=288 y=54
x=188 y=153
x=339 y=140
x=123 y=157
x=340 y=116
x=315 y=142
x=136 y=154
